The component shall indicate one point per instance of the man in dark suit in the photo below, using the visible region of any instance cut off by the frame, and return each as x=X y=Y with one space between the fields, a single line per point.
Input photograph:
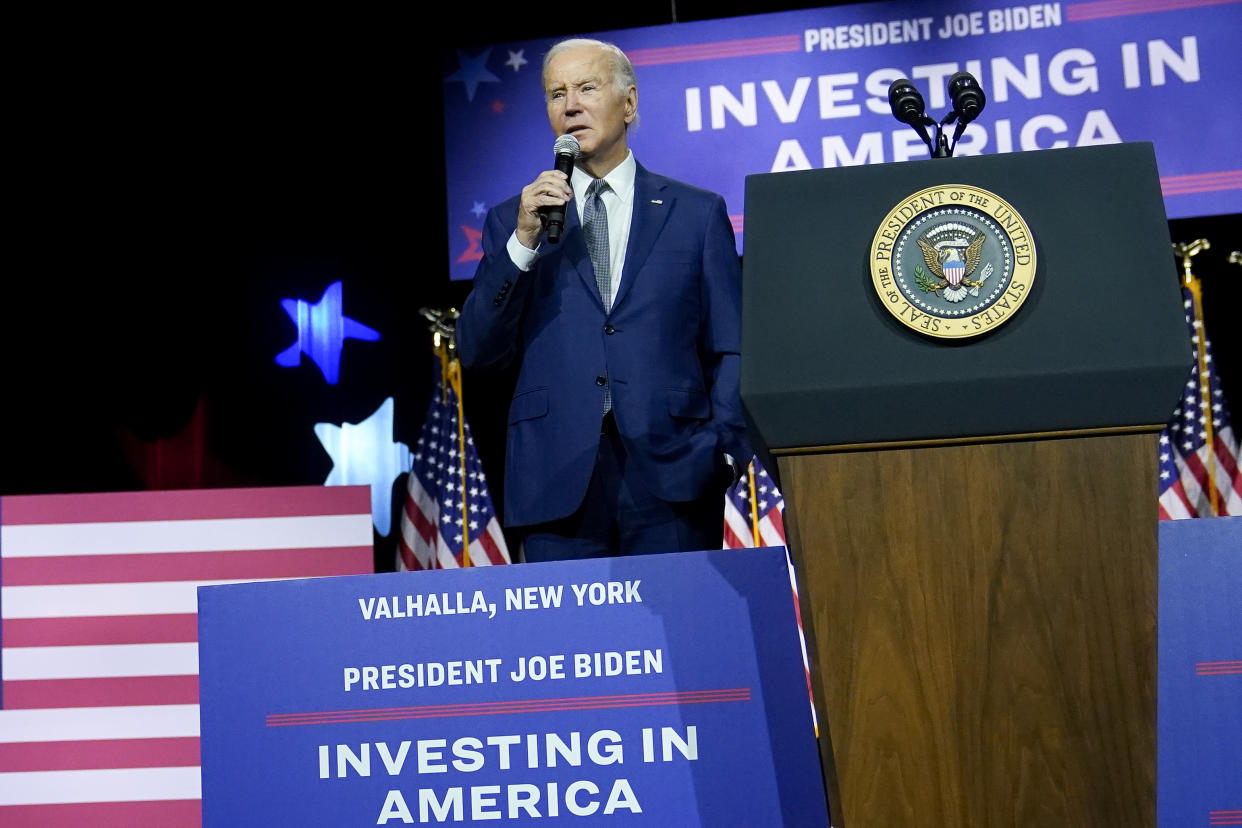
x=625 y=427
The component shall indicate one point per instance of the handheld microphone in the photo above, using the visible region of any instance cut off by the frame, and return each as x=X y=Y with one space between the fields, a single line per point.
x=566 y=150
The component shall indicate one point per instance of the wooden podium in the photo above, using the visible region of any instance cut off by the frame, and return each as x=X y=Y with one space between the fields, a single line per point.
x=974 y=522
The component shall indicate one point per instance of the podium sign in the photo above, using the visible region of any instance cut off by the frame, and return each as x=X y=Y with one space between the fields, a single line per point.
x=659 y=690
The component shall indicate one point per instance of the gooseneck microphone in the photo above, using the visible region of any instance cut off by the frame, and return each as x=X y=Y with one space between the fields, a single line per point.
x=907 y=105
x=968 y=101
x=566 y=150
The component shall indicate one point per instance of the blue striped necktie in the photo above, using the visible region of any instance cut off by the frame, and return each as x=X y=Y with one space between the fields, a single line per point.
x=595 y=226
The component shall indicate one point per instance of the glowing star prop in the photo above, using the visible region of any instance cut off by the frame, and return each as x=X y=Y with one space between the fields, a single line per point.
x=322 y=331
x=473 y=72
x=365 y=453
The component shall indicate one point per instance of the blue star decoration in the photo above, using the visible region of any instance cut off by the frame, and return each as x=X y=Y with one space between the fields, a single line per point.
x=365 y=454
x=472 y=72
x=322 y=331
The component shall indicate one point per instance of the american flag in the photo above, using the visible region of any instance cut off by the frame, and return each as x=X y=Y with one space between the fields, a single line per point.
x=99 y=717
x=1190 y=469
x=755 y=496
x=445 y=508
x=769 y=508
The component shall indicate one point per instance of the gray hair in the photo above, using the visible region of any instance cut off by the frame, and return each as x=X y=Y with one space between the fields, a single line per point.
x=622 y=69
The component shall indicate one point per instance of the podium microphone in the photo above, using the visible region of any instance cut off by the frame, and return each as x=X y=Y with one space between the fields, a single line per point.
x=968 y=101
x=907 y=105
x=566 y=150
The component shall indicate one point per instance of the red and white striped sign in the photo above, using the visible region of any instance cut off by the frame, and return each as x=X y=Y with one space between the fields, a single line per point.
x=98 y=644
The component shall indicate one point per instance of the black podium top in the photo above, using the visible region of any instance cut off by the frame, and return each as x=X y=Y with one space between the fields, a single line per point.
x=1100 y=342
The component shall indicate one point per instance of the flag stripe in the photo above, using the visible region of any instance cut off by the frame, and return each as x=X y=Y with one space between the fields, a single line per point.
x=100 y=629
x=418 y=520
x=77 y=600
x=100 y=692
x=99 y=635
x=249 y=563
x=406 y=561
x=188 y=505
x=91 y=723
x=164 y=536
x=99 y=785
x=177 y=812
x=1175 y=504
x=488 y=541
x=103 y=753
x=100 y=661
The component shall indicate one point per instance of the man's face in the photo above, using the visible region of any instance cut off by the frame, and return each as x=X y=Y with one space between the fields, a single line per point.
x=584 y=101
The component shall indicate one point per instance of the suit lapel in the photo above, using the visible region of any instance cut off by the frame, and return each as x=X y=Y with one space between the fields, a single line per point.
x=576 y=253
x=652 y=205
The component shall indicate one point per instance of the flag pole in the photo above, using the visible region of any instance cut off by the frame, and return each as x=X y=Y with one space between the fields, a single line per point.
x=444 y=341
x=754 y=507
x=454 y=366
x=1185 y=251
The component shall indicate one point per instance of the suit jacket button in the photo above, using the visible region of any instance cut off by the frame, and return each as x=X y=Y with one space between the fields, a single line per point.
x=610 y=330
x=601 y=381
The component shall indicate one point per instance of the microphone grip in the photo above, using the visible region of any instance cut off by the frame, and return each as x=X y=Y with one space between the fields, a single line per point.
x=554 y=217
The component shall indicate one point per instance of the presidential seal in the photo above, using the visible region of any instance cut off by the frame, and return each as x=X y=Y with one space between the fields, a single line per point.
x=953 y=261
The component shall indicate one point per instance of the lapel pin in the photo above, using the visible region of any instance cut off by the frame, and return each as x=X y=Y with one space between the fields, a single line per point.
x=657 y=201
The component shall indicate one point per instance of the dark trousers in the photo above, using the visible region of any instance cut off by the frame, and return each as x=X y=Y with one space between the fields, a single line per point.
x=620 y=516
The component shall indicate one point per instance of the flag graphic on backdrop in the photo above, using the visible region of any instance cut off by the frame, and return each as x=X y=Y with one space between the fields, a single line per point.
x=1198 y=448
x=754 y=516
x=447 y=505
x=98 y=636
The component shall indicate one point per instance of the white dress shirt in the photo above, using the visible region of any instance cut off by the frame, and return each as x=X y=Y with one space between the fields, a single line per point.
x=618 y=201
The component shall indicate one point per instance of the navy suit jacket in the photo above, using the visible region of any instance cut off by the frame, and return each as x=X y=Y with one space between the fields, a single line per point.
x=670 y=347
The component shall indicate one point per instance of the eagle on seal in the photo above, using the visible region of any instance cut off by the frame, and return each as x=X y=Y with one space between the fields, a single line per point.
x=953 y=266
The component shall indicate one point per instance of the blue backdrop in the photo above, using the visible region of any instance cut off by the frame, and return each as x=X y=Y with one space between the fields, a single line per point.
x=1200 y=684
x=721 y=99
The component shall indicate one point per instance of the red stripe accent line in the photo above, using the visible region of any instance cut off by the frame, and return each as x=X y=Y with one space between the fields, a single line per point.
x=98 y=753
x=41 y=694
x=1201 y=183
x=719 y=49
x=183 y=813
x=194 y=504
x=737 y=222
x=187 y=566
x=519 y=706
x=1236 y=671
x=99 y=629
x=1202 y=664
x=1077 y=12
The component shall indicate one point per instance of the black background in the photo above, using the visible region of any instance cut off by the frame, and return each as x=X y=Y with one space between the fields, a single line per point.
x=174 y=173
